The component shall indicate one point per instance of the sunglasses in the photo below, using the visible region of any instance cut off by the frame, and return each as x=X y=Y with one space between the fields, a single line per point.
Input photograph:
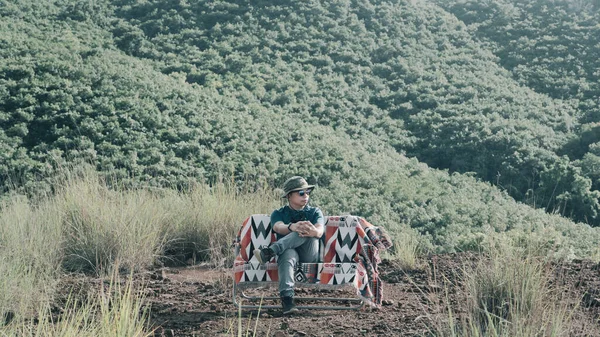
x=303 y=192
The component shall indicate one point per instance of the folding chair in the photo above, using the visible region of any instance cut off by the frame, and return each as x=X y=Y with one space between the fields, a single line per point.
x=340 y=247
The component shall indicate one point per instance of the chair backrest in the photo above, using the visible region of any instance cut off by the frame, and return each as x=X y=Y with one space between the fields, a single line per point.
x=340 y=242
x=256 y=231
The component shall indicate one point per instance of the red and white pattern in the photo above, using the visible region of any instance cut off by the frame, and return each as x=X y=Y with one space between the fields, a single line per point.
x=348 y=253
x=256 y=231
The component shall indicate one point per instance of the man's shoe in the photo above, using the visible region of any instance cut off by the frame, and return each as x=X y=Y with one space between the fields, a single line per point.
x=288 y=305
x=264 y=255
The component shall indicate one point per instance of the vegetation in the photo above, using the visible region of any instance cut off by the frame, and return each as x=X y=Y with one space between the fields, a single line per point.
x=509 y=293
x=171 y=92
x=115 y=311
x=551 y=49
x=443 y=121
x=87 y=227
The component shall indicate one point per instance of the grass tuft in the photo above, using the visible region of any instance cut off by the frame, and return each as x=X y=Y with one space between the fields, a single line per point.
x=406 y=250
x=114 y=312
x=508 y=294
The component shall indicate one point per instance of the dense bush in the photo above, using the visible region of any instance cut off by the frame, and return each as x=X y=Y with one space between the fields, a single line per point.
x=551 y=48
x=169 y=93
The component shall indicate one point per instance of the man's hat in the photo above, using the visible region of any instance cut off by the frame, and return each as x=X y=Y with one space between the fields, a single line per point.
x=295 y=183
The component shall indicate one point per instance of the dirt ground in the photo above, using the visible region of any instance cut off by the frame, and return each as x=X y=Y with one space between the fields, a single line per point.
x=196 y=301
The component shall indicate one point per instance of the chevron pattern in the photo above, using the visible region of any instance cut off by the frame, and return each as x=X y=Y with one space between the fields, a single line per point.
x=341 y=249
x=341 y=239
x=256 y=232
x=255 y=272
x=337 y=273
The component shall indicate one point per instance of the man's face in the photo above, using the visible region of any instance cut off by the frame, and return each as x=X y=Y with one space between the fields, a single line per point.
x=299 y=199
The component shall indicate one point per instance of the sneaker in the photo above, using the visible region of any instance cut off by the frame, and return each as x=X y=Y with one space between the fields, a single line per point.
x=264 y=255
x=288 y=305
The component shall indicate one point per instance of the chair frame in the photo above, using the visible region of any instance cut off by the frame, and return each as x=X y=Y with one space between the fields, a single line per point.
x=356 y=303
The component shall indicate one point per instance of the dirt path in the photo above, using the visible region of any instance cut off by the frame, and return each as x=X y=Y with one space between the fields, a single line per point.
x=196 y=301
x=188 y=303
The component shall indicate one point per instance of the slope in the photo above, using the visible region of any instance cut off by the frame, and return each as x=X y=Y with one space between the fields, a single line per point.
x=70 y=94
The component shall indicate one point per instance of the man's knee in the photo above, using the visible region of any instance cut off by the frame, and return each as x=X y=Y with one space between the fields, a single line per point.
x=288 y=256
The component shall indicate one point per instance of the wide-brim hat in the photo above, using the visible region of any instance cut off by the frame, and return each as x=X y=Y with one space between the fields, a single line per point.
x=293 y=184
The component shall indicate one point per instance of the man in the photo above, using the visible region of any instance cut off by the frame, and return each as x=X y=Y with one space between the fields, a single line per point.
x=298 y=227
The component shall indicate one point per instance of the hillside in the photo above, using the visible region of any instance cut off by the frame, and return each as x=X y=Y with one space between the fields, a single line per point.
x=408 y=72
x=366 y=99
x=551 y=48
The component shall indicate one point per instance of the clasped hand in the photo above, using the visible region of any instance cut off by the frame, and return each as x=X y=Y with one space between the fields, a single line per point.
x=305 y=229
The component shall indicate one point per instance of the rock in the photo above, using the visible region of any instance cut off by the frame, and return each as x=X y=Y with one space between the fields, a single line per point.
x=300 y=333
x=387 y=302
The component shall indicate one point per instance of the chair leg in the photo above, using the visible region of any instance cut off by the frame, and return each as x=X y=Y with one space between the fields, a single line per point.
x=358 y=303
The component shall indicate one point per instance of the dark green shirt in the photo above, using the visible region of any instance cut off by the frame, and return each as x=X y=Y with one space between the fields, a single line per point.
x=288 y=215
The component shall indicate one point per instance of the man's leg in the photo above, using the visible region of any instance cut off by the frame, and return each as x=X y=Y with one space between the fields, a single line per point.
x=290 y=241
x=286 y=264
x=308 y=252
x=291 y=249
x=289 y=259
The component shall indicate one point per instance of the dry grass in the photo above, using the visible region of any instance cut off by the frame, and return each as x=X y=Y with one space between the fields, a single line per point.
x=30 y=245
x=508 y=294
x=114 y=312
x=406 y=250
x=85 y=225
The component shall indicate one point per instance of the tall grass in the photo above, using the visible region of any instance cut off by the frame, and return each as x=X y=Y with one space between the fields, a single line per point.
x=102 y=226
x=508 y=293
x=114 y=312
x=204 y=219
x=85 y=225
x=406 y=249
x=139 y=226
x=30 y=246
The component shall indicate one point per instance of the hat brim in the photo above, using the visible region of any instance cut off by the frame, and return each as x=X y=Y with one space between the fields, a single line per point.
x=298 y=189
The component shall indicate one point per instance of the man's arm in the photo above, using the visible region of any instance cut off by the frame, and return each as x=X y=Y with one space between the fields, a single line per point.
x=304 y=228
x=277 y=222
x=281 y=228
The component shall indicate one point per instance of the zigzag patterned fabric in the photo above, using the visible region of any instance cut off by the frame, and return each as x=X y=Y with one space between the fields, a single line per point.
x=341 y=239
x=327 y=273
x=348 y=249
x=255 y=232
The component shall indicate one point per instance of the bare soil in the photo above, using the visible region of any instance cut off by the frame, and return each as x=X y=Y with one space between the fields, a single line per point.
x=196 y=301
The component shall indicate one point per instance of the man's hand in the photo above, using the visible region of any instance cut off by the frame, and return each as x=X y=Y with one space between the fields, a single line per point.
x=306 y=229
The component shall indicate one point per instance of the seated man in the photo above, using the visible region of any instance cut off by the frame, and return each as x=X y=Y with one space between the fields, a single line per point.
x=298 y=227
